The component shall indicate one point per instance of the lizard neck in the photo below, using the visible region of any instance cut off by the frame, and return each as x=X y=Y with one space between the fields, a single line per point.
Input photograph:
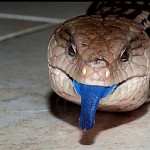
x=138 y=11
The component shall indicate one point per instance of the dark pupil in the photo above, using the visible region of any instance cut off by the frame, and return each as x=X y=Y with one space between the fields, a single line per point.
x=124 y=56
x=71 y=51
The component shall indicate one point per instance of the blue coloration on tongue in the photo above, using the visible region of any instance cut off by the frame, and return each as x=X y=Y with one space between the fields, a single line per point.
x=90 y=97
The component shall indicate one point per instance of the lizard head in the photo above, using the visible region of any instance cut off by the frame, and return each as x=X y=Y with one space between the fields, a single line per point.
x=110 y=54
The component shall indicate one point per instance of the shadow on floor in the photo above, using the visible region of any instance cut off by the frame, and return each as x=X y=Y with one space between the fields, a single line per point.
x=69 y=112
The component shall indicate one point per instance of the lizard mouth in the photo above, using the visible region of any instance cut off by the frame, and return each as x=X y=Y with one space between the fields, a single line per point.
x=90 y=98
x=91 y=95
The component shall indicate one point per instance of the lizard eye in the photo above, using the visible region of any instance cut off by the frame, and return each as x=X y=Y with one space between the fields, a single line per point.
x=72 y=50
x=124 y=56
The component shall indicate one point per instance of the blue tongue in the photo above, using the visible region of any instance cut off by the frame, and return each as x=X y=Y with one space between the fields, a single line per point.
x=90 y=97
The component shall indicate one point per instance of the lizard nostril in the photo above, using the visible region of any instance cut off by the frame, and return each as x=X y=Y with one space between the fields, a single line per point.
x=98 y=62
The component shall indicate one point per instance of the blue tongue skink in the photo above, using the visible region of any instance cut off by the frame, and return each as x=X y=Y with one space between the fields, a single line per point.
x=90 y=97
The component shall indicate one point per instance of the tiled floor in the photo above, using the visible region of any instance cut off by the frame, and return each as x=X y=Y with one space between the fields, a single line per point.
x=32 y=116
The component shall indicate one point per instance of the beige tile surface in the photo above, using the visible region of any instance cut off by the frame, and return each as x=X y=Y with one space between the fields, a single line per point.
x=8 y=26
x=45 y=9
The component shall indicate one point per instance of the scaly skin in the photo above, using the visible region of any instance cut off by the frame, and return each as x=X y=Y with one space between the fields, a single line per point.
x=99 y=44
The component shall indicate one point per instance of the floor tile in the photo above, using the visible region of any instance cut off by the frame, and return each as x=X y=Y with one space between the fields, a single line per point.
x=8 y=26
x=45 y=9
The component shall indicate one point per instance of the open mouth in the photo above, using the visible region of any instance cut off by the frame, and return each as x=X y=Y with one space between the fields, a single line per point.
x=90 y=98
x=91 y=95
x=70 y=78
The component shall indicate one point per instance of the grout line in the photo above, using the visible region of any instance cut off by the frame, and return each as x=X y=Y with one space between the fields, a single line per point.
x=27 y=31
x=31 y=18
x=24 y=111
